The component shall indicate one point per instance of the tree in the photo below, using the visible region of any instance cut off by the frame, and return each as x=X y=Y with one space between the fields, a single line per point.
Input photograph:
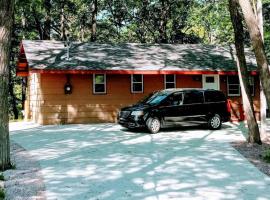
x=47 y=23
x=6 y=22
x=259 y=11
x=254 y=134
x=258 y=46
x=94 y=21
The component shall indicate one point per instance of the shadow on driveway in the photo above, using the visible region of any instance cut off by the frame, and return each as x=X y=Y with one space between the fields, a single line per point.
x=103 y=161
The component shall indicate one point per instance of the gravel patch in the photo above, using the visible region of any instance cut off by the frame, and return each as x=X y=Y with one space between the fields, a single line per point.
x=253 y=153
x=25 y=182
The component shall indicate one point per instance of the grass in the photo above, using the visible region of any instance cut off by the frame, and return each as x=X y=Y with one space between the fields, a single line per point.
x=266 y=156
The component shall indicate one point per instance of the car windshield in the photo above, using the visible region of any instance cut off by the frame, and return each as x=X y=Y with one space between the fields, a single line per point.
x=155 y=98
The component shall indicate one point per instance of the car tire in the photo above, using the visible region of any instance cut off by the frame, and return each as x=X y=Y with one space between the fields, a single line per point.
x=214 y=122
x=153 y=125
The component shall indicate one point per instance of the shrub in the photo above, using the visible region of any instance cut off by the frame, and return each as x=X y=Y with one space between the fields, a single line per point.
x=2 y=177
x=266 y=155
x=2 y=194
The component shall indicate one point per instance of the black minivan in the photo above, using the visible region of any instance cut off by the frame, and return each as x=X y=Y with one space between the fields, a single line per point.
x=177 y=107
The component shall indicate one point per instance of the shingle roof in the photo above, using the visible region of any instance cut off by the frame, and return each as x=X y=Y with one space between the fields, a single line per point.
x=51 y=55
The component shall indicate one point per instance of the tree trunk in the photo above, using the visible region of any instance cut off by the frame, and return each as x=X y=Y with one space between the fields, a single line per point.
x=236 y=18
x=163 y=24
x=262 y=95
x=13 y=100
x=258 y=46
x=62 y=23
x=94 y=22
x=6 y=22
x=37 y=24
x=47 y=23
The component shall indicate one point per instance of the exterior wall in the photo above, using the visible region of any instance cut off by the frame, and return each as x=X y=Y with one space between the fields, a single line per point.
x=49 y=105
x=32 y=103
x=236 y=103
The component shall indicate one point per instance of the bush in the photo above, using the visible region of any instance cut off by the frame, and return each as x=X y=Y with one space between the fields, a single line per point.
x=2 y=177
x=2 y=194
x=266 y=155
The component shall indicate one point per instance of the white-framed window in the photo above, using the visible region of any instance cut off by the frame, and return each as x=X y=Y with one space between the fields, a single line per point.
x=99 y=83
x=136 y=83
x=169 y=81
x=233 y=86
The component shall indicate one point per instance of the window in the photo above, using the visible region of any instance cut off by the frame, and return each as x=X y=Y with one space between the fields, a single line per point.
x=177 y=99
x=233 y=86
x=210 y=79
x=193 y=97
x=170 y=81
x=213 y=96
x=99 y=83
x=137 y=83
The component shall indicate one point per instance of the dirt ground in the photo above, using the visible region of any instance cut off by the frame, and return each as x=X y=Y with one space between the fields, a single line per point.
x=254 y=154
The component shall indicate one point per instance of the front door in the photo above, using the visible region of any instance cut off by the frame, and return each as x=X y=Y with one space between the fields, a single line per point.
x=211 y=81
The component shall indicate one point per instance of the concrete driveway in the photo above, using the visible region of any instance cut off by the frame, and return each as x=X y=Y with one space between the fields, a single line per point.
x=104 y=161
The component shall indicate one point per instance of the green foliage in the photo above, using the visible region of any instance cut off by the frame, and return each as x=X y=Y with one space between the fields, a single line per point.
x=266 y=156
x=211 y=22
x=2 y=194
x=2 y=178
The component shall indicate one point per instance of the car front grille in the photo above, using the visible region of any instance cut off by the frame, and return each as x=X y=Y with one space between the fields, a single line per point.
x=124 y=114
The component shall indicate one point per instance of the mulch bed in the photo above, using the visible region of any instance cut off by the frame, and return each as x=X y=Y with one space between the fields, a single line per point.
x=254 y=152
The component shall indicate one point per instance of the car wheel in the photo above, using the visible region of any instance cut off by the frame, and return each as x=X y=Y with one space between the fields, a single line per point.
x=153 y=124
x=214 y=122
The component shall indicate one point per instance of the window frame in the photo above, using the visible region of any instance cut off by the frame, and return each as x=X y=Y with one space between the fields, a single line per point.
x=165 y=80
x=132 y=82
x=251 y=79
x=228 y=89
x=105 y=83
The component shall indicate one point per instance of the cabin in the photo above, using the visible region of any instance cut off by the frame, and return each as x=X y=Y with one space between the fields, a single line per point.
x=90 y=82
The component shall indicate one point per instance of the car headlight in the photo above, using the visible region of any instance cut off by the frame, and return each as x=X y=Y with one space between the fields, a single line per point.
x=137 y=113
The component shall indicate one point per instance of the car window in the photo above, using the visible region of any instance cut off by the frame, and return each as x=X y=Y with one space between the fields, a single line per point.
x=177 y=99
x=193 y=97
x=156 y=98
x=214 y=96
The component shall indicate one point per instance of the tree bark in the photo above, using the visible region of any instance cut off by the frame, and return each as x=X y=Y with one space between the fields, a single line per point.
x=236 y=18
x=13 y=99
x=94 y=21
x=62 y=23
x=47 y=23
x=258 y=46
x=163 y=23
x=262 y=95
x=6 y=23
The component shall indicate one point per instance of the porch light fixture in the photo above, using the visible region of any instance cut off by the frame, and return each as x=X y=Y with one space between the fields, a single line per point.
x=68 y=86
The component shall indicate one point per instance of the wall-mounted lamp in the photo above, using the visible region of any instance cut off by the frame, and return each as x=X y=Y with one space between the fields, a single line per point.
x=68 y=86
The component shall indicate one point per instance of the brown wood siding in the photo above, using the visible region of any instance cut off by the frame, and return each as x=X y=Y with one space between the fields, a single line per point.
x=82 y=106
x=49 y=105
x=236 y=101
